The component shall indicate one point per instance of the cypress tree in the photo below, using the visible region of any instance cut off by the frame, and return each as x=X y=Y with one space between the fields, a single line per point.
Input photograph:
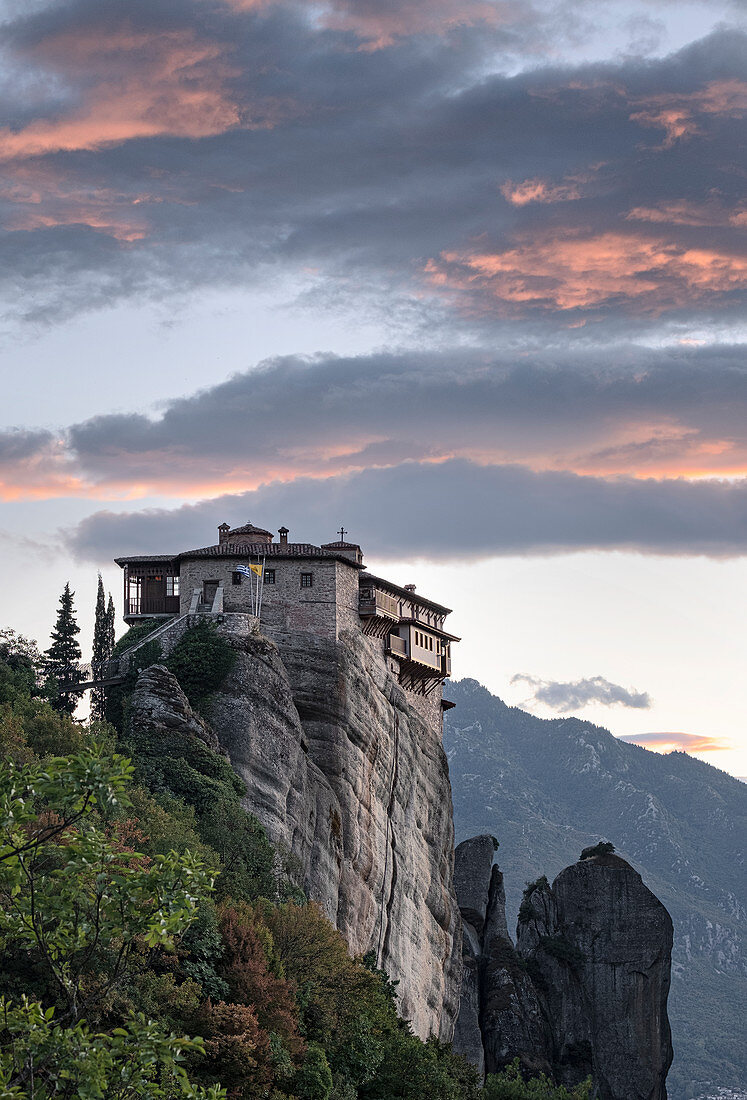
x=100 y=652
x=110 y=618
x=63 y=656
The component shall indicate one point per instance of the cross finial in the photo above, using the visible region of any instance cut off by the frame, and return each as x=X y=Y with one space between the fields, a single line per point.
x=342 y=533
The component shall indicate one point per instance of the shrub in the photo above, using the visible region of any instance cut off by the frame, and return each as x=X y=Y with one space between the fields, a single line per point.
x=525 y=909
x=510 y=1085
x=604 y=848
x=201 y=660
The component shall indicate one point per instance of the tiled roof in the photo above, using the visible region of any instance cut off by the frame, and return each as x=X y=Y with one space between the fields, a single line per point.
x=405 y=593
x=265 y=550
x=247 y=529
x=145 y=557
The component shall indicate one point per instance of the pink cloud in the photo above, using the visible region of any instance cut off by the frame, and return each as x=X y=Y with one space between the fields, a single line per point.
x=539 y=190
x=579 y=271
x=678 y=742
x=685 y=212
x=141 y=85
x=677 y=113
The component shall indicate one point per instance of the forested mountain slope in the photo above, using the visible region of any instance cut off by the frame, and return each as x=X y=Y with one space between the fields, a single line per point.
x=548 y=788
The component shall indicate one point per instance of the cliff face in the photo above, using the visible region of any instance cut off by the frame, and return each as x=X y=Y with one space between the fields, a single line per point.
x=585 y=990
x=346 y=774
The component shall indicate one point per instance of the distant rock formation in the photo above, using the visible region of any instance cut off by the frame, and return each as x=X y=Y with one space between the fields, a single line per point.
x=584 y=992
x=549 y=787
x=347 y=775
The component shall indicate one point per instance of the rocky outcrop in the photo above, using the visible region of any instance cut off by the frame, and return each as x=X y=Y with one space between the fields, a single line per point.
x=346 y=775
x=585 y=991
x=500 y=1015
x=159 y=705
x=600 y=944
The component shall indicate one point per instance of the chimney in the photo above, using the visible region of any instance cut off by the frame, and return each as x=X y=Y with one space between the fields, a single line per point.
x=223 y=531
x=409 y=588
x=283 y=532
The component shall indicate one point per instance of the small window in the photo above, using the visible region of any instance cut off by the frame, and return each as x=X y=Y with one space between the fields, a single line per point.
x=235 y=577
x=307 y=580
x=269 y=576
x=172 y=586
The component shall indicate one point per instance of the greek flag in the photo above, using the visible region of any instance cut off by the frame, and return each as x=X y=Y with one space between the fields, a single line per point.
x=247 y=570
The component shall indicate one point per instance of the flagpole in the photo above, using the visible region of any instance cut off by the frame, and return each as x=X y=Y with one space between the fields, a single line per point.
x=261 y=584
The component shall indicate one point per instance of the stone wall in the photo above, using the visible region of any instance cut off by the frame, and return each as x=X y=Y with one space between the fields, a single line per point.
x=328 y=606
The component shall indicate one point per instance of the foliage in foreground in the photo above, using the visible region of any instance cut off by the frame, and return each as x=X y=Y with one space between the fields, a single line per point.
x=75 y=904
x=129 y=978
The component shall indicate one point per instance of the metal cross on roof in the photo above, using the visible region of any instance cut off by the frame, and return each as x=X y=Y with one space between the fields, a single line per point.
x=342 y=533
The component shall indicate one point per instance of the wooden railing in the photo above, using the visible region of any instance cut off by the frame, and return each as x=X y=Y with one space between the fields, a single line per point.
x=397 y=645
x=375 y=602
x=154 y=605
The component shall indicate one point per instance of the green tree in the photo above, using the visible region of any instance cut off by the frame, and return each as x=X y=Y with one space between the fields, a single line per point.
x=20 y=667
x=77 y=904
x=110 y=622
x=103 y=645
x=63 y=657
x=510 y=1085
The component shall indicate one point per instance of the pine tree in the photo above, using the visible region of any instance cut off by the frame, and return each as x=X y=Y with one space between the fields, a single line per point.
x=63 y=656
x=100 y=652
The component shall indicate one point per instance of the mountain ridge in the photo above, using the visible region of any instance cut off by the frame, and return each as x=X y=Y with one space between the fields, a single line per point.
x=549 y=787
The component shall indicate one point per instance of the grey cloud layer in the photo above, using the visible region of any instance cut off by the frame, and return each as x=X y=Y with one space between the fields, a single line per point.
x=451 y=510
x=368 y=164
x=326 y=414
x=568 y=696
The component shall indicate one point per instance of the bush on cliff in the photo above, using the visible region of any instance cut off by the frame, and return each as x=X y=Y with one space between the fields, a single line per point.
x=510 y=1085
x=201 y=660
x=604 y=848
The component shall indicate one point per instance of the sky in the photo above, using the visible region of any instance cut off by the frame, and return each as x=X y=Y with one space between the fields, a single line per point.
x=465 y=276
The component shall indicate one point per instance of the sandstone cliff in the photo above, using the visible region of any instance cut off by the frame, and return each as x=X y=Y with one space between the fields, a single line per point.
x=585 y=990
x=347 y=775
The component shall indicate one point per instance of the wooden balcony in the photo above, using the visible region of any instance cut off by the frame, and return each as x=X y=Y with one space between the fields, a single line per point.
x=378 y=610
x=148 y=606
x=397 y=645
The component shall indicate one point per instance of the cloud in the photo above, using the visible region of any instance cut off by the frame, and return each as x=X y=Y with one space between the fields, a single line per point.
x=582 y=272
x=35 y=465
x=452 y=509
x=678 y=742
x=140 y=85
x=677 y=113
x=680 y=411
x=168 y=147
x=569 y=696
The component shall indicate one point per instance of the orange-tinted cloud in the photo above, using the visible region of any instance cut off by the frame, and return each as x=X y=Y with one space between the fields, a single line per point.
x=677 y=113
x=577 y=271
x=139 y=85
x=678 y=742
x=539 y=190
x=686 y=212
